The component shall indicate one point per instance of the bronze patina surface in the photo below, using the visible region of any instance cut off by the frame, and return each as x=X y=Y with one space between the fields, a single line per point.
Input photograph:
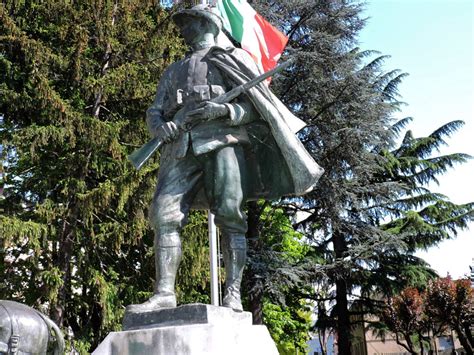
x=23 y=330
x=217 y=155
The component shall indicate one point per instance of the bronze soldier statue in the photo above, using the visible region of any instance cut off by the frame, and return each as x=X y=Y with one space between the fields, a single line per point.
x=217 y=156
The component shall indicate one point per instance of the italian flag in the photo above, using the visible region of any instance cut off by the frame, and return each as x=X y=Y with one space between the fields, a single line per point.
x=257 y=36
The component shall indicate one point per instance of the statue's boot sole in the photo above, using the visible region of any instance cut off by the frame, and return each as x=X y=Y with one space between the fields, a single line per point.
x=155 y=302
x=232 y=302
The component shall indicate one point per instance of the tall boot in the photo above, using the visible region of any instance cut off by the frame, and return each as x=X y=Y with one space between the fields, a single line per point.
x=235 y=254
x=167 y=259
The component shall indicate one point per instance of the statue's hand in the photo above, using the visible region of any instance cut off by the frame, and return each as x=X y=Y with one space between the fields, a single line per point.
x=167 y=132
x=206 y=111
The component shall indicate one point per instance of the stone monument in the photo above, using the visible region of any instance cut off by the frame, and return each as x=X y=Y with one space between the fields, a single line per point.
x=189 y=329
x=225 y=138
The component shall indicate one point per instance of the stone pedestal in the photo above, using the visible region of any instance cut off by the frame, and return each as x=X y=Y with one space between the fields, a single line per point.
x=189 y=329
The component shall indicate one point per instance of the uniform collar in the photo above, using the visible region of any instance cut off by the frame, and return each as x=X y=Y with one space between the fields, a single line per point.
x=212 y=49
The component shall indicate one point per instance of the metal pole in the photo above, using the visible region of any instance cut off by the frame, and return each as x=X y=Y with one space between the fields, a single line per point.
x=213 y=248
x=213 y=257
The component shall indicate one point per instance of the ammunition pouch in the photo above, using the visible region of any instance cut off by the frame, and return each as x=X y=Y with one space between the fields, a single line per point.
x=198 y=94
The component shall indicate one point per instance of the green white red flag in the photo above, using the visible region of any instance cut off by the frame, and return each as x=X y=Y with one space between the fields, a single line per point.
x=256 y=35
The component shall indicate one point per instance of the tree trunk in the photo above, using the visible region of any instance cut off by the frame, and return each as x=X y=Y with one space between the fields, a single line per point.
x=58 y=311
x=342 y=306
x=411 y=346
x=420 y=341
x=256 y=302
x=343 y=319
x=435 y=343
x=464 y=341
x=469 y=334
x=322 y=342
x=408 y=346
x=254 y=283
x=105 y=66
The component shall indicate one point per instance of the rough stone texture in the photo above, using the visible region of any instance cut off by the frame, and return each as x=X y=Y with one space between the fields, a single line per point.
x=210 y=330
x=185 y=315
x=190 y=339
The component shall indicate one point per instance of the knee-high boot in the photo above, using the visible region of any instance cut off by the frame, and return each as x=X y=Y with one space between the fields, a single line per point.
x=235 y=254
x=166 y=264
x=167 y=258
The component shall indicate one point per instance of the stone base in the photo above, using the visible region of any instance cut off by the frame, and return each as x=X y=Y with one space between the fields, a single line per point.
x=188 y=314
x=189 y=329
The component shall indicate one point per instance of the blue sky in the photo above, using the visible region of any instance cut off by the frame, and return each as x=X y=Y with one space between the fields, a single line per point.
x=432 y=41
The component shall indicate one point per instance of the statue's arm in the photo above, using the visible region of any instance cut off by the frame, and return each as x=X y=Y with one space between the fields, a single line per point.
x=241 y=112
x=238 y=112
x=158 y=124
x=155 y=114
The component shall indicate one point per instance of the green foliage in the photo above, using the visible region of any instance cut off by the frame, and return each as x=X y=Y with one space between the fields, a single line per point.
x=81 y=346
x=277 y=231
x=371 y=210
x=194 y=273
x=274 y=277
x=76 y=79
x=289 y=329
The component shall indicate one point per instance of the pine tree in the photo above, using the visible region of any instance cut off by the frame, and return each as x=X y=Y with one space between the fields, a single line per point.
x=371 y=209
x=76 y=79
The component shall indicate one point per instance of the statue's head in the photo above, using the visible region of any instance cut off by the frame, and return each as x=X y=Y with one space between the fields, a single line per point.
x=194 y=23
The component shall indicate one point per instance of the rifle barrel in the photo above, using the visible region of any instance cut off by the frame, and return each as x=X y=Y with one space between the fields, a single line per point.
x=266 y=75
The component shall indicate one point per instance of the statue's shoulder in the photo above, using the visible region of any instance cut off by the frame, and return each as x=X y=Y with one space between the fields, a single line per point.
x=235 y=52
x=239 y=52
x=239 y=55
x=170 y=73
x=172 y=67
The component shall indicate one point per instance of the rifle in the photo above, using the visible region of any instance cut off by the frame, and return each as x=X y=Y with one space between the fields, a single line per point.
x=142 y=154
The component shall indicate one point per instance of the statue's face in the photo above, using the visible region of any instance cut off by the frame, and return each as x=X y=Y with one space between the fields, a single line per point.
x=194 y=30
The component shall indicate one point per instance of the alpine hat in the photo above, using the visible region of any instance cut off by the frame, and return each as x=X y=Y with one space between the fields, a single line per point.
x=200 y=11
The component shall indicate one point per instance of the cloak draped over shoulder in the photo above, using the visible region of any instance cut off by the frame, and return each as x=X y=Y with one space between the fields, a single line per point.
x=279 y=155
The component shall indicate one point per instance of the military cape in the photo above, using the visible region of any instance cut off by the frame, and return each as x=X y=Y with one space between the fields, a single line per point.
x=279 y=165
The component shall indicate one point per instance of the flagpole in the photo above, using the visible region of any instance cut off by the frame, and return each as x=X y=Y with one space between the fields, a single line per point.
x=213 y=248
x=213 y=259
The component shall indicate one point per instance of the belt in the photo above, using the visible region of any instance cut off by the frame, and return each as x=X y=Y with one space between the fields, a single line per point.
x=199 y=93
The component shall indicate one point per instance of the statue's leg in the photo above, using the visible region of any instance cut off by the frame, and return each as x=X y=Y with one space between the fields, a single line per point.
x=234 y=252
x=178 y=182
x=167 y=259
x=225 y=186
